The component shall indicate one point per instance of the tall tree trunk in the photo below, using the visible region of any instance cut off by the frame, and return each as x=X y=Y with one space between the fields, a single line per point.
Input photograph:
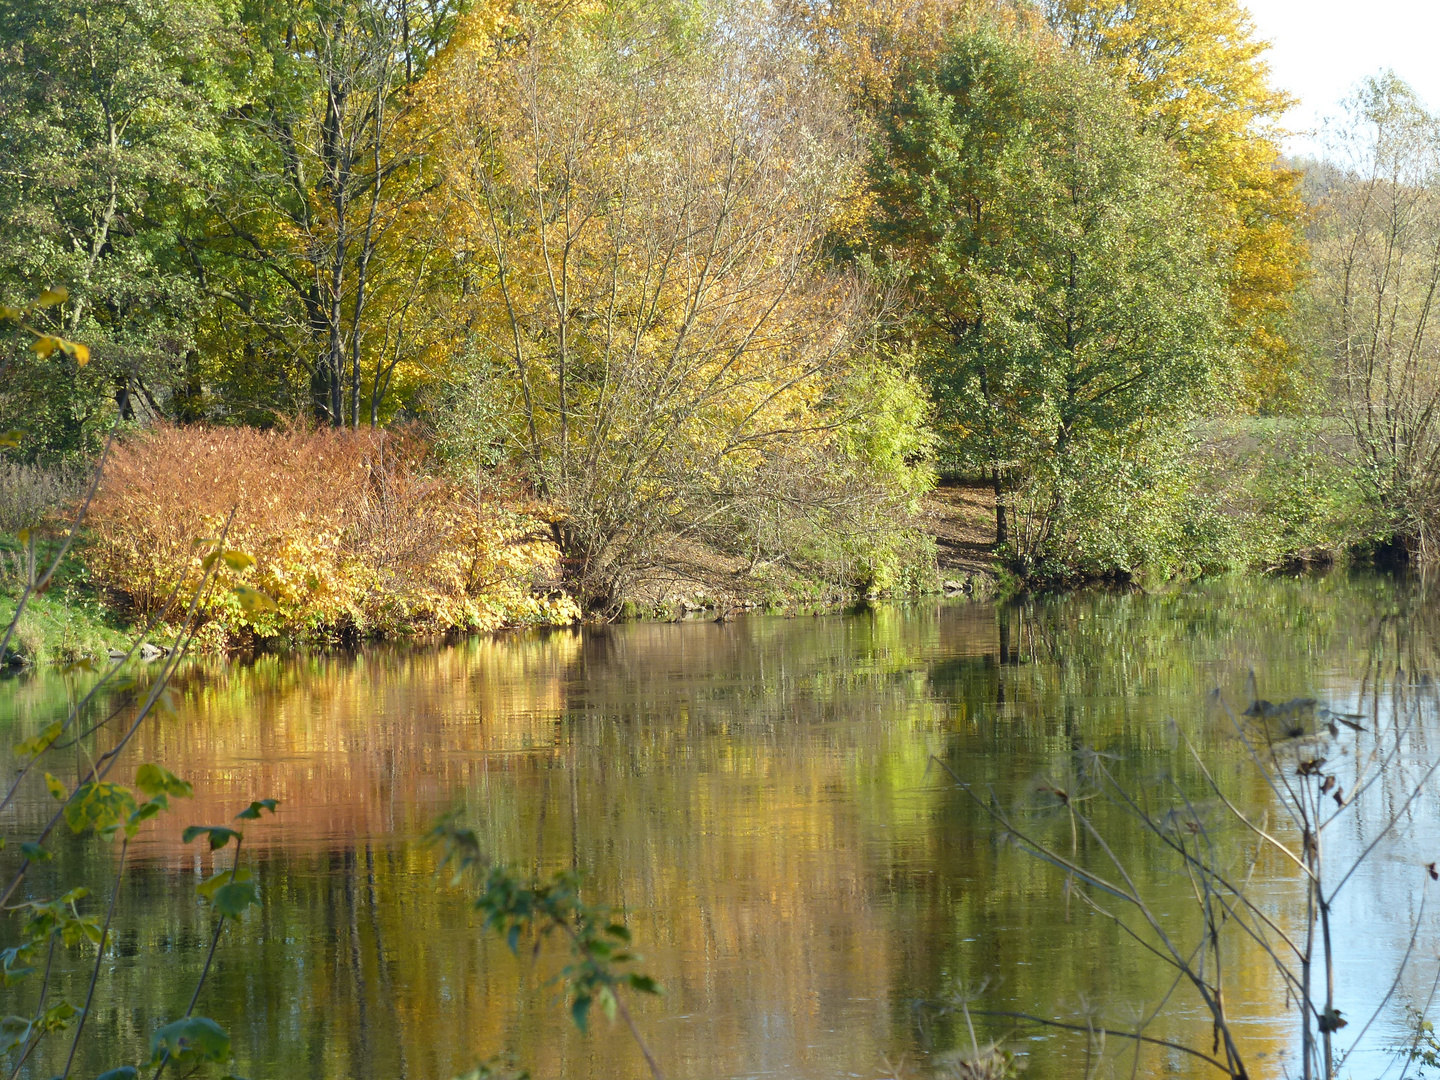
x=1002 y=524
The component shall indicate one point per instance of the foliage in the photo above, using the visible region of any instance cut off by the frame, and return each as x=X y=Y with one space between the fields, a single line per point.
x=1069 y=313
x=514 y=908
x=637 y=205
x=343 y=533
x=1200 y=81
x=314 y=245
x=111 y=114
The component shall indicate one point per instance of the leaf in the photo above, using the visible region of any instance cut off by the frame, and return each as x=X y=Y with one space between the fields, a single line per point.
x=11 y=314
x=124 y=1072
x=51 y=297
x=36 y=745
x=219 y=835
x=580 y=1011
x=156 y=780
x=14 y=1033
x=644 y=984
x=100 y=805
x=58 y=1016
x=253 y=600
x=144 y=812
x=35 y=853
x=56 y=788
x=618 y=930
x=81 y=353
x=12 y=437
x=211 y=885
x=47 y=345
x=189 y=1042
x=232 y=898
x=238 y=560
x=252 y=812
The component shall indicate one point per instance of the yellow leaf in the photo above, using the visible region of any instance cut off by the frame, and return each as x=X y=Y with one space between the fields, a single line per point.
x=238 y=560
x=12 y=437
x=253 y=600
x=51 y=297
x=80 y=352
x=45 y=345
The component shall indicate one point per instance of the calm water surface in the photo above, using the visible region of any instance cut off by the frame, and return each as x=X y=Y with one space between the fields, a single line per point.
x=759 y=796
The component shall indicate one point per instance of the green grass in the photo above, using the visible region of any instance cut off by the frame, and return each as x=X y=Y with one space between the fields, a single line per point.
x=66 y=622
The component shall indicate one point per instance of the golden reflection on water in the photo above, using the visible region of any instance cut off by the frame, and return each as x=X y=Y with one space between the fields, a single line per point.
x=757 y=795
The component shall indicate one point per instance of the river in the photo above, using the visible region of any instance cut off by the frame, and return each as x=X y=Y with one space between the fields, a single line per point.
x=814 y=893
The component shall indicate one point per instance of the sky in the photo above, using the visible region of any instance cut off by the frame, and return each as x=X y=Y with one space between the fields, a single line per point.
x=1321 y=48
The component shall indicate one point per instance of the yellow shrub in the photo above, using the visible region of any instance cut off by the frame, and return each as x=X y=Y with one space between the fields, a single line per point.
x=349 y=530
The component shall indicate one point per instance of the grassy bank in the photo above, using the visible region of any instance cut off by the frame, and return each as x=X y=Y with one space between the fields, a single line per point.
x=70 y=620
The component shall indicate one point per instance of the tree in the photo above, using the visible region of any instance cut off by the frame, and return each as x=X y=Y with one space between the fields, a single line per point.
x=1376 y=240
x=1199 y=80
x=110 y=119
x=638 y=204
x=312 y=239
x=1066 y=304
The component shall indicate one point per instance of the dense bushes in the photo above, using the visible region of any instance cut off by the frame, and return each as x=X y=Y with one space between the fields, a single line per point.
x=349 y=530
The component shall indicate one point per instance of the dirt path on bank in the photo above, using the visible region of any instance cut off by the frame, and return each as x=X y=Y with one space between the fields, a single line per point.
x=962 y=520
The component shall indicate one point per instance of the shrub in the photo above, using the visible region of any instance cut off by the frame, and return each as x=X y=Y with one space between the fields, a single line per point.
x=30 y=493
x=350 y=533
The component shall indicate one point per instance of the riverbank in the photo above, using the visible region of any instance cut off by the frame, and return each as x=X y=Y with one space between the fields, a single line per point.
x=75 y=618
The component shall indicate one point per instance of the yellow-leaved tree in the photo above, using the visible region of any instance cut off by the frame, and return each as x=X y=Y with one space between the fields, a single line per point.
x=637 y=201
x=1199 y=76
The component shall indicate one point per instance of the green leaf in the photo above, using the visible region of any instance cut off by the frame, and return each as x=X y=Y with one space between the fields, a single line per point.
x=580 y=1011
x=124 y=1072
x=101 y=805
x=189 y=1042
x=56 y=788
x=617 y=930
x=232 y=898
x=58 y=1017
x=219 y=835
x=644 y=984
x=35 y=853
x=208 y=887
x=252 y=812
x=156 y=780
x=144 y=812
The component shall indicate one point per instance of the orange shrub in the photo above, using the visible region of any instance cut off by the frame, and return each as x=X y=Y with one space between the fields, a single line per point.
x=349 y=531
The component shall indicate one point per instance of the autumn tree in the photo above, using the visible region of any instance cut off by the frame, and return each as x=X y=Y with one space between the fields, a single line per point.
x=638 y=204
x=310 y=241
x=1066 y=304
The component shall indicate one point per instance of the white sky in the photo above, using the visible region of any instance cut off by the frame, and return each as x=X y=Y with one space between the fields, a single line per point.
x=1321 y=48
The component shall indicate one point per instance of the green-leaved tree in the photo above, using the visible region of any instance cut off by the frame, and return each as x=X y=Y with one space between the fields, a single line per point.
x=1068 y=304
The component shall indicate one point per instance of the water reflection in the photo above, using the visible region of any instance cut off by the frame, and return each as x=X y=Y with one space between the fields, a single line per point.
x=757 y=794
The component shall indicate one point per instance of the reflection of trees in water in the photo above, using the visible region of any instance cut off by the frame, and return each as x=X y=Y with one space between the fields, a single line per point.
x=755 y=792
